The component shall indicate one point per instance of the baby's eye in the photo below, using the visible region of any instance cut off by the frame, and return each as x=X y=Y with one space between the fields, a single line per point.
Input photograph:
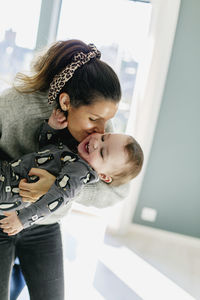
x=91 y=119
x=102 y=138
x=101 y=152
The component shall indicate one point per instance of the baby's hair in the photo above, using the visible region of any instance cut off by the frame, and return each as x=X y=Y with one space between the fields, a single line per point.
x=133 y=164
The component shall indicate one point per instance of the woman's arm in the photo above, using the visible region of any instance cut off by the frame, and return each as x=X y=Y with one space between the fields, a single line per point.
x=73 y=176
x=102 y=195
x=20 y=118
x=31 y=192
x=49 y=134
x=99 y=195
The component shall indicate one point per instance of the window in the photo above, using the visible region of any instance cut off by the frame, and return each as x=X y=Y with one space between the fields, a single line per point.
x=119 y=29
x=17 y=36
x=135 y=37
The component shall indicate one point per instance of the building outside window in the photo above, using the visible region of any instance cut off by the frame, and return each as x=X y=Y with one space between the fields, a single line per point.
x=18 y=33
x=119 y=28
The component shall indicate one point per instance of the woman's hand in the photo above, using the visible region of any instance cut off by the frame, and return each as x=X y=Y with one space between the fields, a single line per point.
x=31 y=192
x=57 y=120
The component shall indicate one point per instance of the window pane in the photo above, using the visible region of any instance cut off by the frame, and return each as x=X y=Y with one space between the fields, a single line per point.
x=119 y=29
x=18 y=31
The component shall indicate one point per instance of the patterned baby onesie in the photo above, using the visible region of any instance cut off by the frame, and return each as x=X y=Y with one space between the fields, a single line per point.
x=70 y=170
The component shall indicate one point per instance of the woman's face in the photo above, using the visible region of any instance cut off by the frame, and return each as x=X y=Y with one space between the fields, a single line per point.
x=85 y=120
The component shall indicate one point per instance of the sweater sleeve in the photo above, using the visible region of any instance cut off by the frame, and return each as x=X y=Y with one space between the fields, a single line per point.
x=21 y=116
x=70 y=181
x=102 y=195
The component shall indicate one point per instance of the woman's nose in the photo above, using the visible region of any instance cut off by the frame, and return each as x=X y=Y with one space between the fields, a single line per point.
x=100 y=127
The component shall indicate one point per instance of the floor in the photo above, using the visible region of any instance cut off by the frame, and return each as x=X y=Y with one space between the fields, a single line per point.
x=143 y=264
x=167 y=266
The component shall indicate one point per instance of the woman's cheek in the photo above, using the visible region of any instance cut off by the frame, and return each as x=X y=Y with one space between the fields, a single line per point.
x=90 y=124
x=82 y=124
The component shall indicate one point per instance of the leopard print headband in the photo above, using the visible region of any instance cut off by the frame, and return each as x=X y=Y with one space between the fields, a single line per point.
x=78 y=60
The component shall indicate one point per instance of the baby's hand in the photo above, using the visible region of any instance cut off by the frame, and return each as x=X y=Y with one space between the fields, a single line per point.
x=11 y=224
x=57 y=119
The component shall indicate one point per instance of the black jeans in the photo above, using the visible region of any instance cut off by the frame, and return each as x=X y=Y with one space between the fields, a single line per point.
x=39 y=249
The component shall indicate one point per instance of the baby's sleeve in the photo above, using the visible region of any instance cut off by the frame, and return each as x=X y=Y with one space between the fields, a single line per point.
x=48 y=135
x=68 y=184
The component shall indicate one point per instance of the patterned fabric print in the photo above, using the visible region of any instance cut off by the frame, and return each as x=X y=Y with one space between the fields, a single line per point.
x=60 y=79
x=9 y=191
x=55 y=204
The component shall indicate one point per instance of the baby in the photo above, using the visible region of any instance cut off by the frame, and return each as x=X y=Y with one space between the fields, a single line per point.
x=113 y=158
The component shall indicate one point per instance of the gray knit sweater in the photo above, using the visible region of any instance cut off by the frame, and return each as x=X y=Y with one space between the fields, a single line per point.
x=21 y=116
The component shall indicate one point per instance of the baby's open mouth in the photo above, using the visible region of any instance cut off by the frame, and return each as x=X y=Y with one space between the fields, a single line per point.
x=87 y=147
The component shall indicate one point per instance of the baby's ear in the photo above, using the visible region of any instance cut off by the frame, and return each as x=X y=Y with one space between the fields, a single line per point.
x=105 y=178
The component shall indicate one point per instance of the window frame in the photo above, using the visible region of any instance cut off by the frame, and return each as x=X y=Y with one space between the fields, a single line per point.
x=48 y=22
x=147 y=100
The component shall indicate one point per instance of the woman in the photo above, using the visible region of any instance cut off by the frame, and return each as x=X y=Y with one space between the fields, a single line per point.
x=72 y=76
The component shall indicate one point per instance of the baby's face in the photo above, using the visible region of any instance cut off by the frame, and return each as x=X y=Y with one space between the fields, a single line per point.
x=104 y=152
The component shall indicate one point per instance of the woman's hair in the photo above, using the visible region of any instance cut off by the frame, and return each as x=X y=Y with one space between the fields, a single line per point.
x=133 y=164
x=93 y=79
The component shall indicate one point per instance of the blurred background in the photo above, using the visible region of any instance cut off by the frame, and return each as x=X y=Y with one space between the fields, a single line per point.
x=147 y=247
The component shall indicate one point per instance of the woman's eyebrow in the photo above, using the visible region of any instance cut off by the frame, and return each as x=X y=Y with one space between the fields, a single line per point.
x=96 y=115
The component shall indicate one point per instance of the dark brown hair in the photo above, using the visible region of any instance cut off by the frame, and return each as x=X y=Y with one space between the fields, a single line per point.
x=95 y=78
